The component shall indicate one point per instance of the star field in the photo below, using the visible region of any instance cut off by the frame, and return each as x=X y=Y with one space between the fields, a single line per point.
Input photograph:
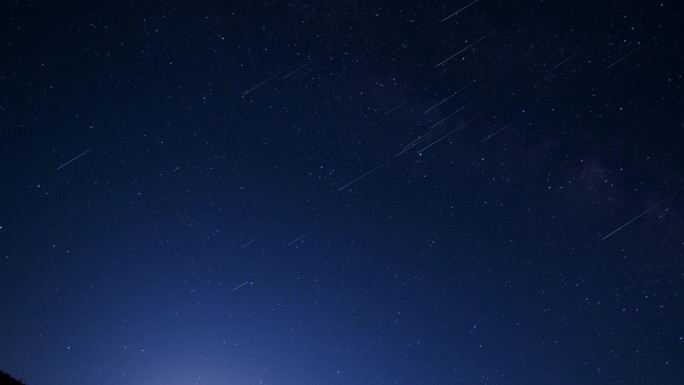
x=360 y=192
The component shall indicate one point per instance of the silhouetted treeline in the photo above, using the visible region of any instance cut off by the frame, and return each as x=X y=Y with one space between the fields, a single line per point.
x=6 y=379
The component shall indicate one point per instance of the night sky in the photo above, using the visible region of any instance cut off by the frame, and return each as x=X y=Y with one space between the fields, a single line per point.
x=342 y=192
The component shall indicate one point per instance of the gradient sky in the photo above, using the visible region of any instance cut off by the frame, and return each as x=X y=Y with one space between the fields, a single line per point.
x=342 y=192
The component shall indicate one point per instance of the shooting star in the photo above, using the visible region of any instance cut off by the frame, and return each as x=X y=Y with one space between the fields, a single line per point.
x=624 y=57
x=503 y=128
x=408 y=147
x=456 y=13
x=359 y=178
x=569 y=57
x=67 y=163
x=449 y=133
x=300 y=238
x=394 y=108
x=642 y=214
x=297 y=70
x=449 y=116
x=260 y=84
x=468 y=46
x=444 y=100
x=416 y=141
x=248 y=243
x=434 y=128
x=457 y=110
x=241 y=285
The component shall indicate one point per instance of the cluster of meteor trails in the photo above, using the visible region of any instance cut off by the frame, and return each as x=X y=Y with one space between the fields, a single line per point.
x=437 y=132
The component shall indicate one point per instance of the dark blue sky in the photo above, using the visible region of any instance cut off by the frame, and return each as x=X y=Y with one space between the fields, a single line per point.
x=379 y=192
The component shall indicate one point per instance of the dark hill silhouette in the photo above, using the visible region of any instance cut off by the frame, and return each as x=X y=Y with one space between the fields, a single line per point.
x=6 y=379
